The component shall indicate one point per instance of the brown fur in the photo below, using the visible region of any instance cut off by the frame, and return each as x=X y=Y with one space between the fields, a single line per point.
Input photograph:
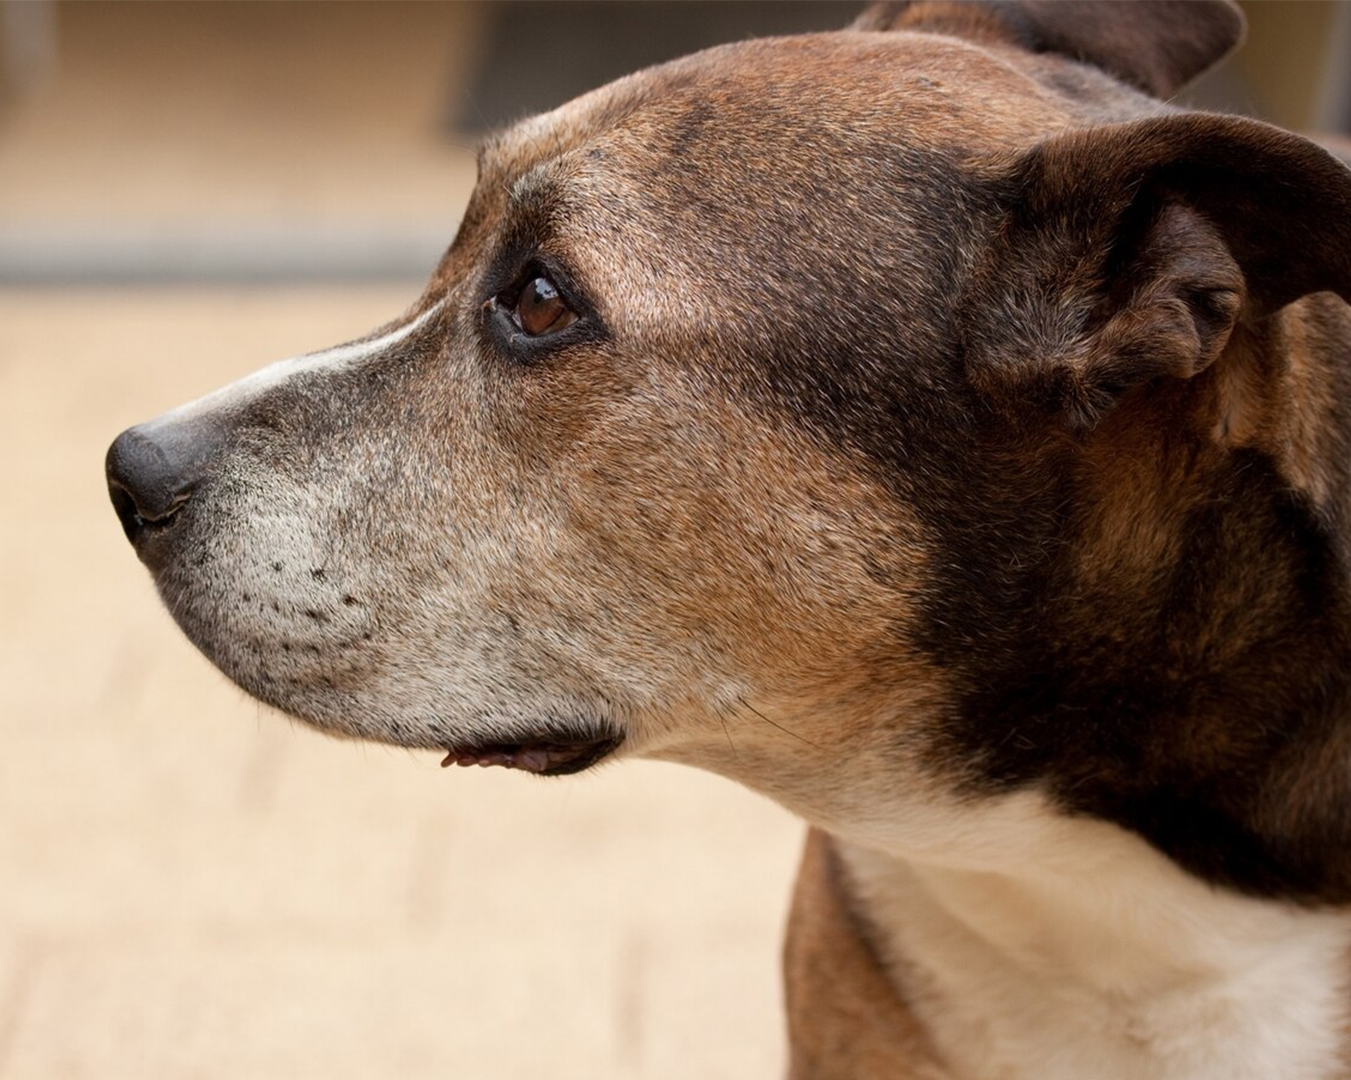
x=944 y=417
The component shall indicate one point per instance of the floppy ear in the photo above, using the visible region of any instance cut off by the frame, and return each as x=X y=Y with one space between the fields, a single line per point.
x=1155 y=45
x=1131 y=251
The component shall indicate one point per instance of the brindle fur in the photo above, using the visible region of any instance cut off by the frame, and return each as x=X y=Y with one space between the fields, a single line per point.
x=948 y=414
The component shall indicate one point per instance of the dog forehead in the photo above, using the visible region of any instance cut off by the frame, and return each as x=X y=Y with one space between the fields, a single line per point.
x=928 y=90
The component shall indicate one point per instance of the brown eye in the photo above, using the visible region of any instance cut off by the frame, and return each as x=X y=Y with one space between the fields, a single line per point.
x=541 y=310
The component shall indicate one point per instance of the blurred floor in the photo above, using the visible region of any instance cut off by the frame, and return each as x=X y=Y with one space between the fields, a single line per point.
x=193 y=887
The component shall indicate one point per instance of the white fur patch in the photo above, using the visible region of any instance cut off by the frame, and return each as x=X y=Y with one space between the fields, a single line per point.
x=332 y=360
x=1040 y=946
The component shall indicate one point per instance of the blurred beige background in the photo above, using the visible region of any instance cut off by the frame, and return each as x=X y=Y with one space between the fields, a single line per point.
x=191 y=886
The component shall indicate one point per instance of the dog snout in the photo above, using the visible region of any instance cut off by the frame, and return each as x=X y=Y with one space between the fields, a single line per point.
x=151 y=477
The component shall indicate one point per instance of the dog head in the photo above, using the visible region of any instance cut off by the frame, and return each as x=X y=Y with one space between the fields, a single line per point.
x=844 y=413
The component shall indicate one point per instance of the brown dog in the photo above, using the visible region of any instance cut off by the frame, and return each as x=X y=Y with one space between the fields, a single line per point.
x=924 y=424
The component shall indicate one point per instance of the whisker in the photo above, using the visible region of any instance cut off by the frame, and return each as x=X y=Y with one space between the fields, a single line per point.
x=722 y=719
x=772 y=724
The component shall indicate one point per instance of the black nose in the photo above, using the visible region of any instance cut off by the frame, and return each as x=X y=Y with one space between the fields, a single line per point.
x=148 y=482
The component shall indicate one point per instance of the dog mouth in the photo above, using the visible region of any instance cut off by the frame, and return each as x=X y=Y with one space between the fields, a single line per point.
x=552 y=758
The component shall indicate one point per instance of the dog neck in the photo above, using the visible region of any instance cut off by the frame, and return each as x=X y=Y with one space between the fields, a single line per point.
x=1080 y=951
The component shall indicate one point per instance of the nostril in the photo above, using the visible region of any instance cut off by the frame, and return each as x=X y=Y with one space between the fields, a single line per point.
x=127 y=513
x=145 y=486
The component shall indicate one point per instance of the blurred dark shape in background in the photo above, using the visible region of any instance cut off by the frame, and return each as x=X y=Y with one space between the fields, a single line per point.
x=538 y=54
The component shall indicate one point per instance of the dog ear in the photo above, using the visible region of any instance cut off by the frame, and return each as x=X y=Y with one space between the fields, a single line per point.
x=1131 y=251
x=1155 y=45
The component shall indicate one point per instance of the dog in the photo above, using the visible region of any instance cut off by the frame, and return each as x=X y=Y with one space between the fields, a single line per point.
x=925 y=424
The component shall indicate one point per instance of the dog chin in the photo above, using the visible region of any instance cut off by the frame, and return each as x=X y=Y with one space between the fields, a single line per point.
x=547 y=748
x=551 y=748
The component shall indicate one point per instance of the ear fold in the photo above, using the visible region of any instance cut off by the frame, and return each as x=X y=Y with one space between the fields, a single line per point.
x=1155 y=45
x=1131 y=251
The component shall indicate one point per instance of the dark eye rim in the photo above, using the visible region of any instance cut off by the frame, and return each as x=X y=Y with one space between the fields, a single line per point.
x=497 y=313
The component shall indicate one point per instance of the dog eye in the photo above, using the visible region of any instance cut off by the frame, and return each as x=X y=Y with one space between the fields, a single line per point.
x=540 y=308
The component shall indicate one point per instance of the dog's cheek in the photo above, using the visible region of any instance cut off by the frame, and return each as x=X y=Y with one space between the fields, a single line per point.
x=710 y=562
